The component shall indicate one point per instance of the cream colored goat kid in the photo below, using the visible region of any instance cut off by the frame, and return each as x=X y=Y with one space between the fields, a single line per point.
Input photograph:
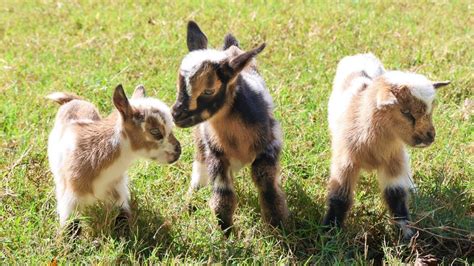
x=89 y=155
x=373 y=114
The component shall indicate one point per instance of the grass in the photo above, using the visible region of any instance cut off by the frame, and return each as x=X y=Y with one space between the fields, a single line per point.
x=88 y=48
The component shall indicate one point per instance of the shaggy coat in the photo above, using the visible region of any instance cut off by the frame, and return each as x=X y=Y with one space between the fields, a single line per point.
x=222 y=93
x=373 y=115
x=89 y=155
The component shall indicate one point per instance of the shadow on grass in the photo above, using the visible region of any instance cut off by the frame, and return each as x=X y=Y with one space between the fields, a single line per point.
x=303 y=236
x=148 y=234
x=442 y=215
x=439 y=212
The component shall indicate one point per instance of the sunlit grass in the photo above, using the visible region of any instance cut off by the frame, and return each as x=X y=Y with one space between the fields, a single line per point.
x=88 y=48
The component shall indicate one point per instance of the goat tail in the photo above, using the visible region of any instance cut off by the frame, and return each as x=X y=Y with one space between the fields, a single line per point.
x=62 y=97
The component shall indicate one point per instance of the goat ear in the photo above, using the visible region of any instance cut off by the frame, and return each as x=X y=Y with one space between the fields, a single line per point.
x=439 y=84
x=196 y=39
x=139 y=92
x=229 y=69
x=121 y=102
x=230 y=40
x=386 y=97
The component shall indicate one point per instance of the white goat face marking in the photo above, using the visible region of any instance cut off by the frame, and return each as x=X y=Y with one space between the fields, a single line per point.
x=420 y=87
x=149 y=104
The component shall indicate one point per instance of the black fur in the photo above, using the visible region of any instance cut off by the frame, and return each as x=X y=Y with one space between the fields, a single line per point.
x=196 y=39
x=230 y=40
x=217 y=163
x=396 y=198
x=267 y=159
x=250 y=105
x=265 y=173
x=180 y=108
x=338 y=207
x=74 y=229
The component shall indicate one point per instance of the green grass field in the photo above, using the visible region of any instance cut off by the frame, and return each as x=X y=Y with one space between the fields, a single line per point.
x=89 y=48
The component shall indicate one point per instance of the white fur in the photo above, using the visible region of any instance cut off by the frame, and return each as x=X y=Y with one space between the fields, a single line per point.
x=113 y=174
x=368 y=63
x=221 y=184
x=62 y=145
x=419 y=86
x=147 y=103
x=200 y=176
x=341 y=97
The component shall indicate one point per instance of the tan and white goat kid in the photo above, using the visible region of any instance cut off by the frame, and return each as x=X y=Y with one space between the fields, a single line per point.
x=222 y=93
x=89 y=155
x=373 y=114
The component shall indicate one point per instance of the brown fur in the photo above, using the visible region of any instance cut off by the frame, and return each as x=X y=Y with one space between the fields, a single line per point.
x=90 y=161
x=89 y=155
x=235 y=138
x=374 y=138
x=205 y=79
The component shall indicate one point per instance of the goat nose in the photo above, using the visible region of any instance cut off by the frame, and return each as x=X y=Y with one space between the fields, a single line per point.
x=176 y=113
x=418 y=140
x=176 y=153
x=179 y=111
x=430 y=135
x=178 y=148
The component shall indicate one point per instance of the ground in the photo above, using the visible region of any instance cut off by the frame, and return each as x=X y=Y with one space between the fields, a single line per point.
x=88 y=48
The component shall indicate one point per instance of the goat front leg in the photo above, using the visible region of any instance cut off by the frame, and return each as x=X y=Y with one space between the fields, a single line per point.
x=344 y=176
x=266 y=176
x=223 y=201
x=200 y=174
x=121 y=199
x=395 y=182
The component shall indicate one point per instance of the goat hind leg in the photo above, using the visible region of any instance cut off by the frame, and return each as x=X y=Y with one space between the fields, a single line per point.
x=67 y=204
x=341 y=192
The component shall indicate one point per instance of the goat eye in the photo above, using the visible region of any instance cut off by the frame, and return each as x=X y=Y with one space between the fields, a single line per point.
x=208 y=92
x=156 y=133
x=408 y=115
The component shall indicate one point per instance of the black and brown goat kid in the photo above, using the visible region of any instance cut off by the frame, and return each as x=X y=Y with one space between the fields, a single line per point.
x=222 y=93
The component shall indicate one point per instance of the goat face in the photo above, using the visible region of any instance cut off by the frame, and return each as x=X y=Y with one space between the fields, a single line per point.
x=409 y=99
x=206 y=77
x=147 y=123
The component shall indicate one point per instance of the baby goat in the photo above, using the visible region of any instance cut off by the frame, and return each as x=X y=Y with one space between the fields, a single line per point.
x=89 y=155
x=222 y=92
x=372 y=115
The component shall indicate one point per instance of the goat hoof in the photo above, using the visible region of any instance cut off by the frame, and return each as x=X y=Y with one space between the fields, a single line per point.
x=405 y=230
x=191 y=208
x=73 y=230
x=122 y=224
